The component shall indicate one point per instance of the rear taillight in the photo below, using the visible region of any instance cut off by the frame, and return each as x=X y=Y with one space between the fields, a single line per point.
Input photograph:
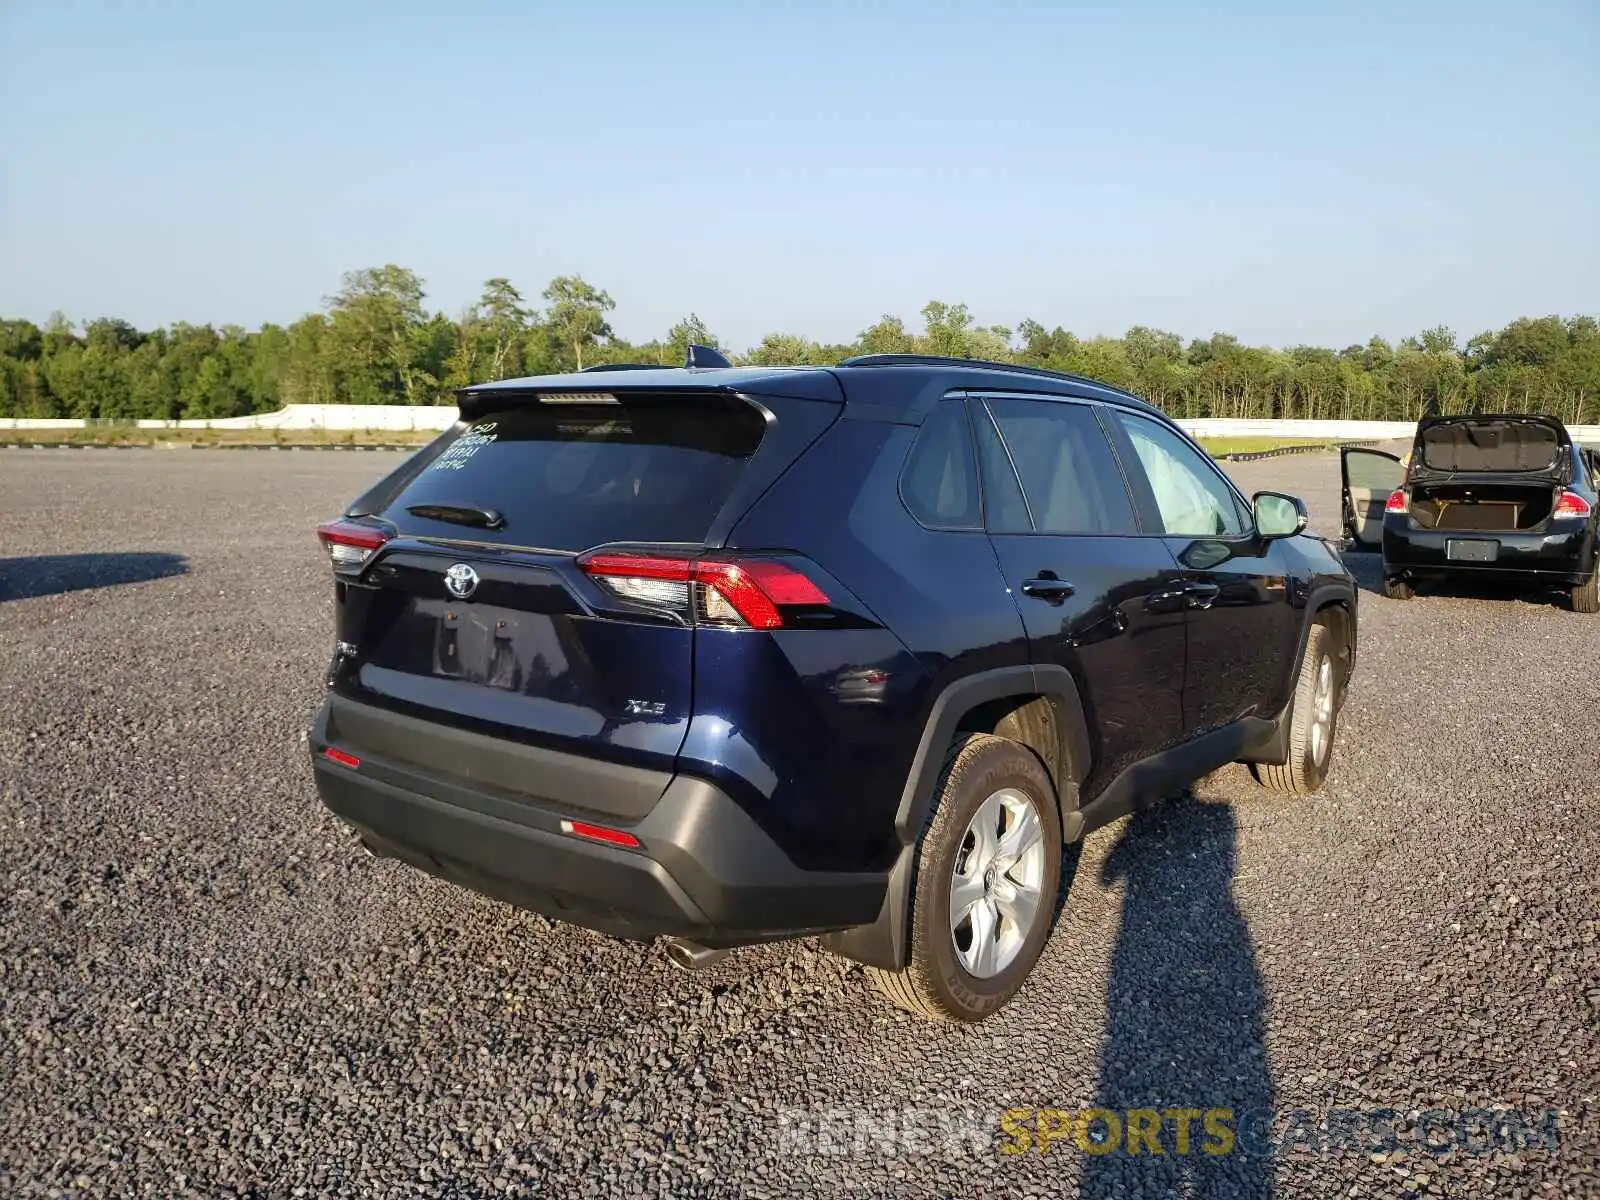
x=349 y=544
x=1398 y=502
x=744 y=594
x=1570 y=504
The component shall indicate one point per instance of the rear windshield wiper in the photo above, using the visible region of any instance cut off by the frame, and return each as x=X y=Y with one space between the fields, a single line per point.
x=459 y=514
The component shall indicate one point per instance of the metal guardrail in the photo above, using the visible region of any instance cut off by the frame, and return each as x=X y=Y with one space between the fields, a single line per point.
x=1277 y=451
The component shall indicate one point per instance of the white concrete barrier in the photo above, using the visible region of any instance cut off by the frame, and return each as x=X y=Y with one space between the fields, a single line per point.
x=393 y=418
x=388 y=418
x=1327 y=431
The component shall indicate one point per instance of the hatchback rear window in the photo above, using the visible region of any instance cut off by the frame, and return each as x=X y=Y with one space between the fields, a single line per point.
x=572 y=476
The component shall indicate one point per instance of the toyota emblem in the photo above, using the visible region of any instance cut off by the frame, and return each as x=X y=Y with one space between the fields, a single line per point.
x=461 y=581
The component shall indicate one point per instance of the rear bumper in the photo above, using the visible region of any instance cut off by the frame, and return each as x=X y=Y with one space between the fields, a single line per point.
x=1559 y=556
x=704 y=870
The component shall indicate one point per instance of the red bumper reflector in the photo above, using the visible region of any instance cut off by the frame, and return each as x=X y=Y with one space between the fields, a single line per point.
x=340 y=757
x=599 y=833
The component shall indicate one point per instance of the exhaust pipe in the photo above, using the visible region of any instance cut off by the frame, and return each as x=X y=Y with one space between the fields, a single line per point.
x=691 y=956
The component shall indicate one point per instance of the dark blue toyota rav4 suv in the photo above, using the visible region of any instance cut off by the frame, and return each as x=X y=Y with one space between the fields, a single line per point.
x=731 y=655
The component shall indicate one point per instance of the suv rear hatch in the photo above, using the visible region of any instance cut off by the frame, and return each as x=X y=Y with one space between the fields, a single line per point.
x=501 y=591
x=1498 y=474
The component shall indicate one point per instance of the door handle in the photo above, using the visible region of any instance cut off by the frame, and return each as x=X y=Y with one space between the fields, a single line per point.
x=1201 y=595
x=1047 y=588
x=1167 y=600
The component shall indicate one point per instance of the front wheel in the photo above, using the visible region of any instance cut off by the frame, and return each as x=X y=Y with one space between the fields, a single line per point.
x=987 y=870
x=1313 y=720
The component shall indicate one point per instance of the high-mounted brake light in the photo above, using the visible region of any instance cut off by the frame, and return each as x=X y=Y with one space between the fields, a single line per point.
x=600 y=833
x=1570 y=504
x=1398 y=502
x=350 y=545
x=749 y=593
x=577 y=398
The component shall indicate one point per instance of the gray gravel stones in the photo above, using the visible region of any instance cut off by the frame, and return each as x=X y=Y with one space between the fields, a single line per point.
x=206 y=989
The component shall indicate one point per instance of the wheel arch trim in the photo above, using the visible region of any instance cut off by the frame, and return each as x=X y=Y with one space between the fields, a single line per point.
x=883 y=943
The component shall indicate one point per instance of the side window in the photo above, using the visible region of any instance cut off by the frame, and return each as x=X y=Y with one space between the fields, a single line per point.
x=1066 y=467
x=940 y=481
x=1005 y=509
x=1191 y=495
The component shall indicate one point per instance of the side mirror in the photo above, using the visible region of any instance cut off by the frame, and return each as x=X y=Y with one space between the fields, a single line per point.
x=1277 y=515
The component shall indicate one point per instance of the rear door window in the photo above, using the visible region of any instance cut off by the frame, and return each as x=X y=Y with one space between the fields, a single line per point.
x=1068 y=473
x=572 y=476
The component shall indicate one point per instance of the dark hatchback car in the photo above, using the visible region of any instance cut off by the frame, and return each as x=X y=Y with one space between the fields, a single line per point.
x=1494 y=499
x=728 y=655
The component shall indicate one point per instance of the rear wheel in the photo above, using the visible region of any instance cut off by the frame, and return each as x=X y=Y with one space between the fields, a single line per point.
x=1313 y=720
x=1397 y=588
x=987 y=870
x=1585 y=597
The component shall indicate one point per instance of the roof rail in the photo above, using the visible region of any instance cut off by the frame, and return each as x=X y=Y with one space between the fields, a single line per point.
x=620 y=367
x=982 y=364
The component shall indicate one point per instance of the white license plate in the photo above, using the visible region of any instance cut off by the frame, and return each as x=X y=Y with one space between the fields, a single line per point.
x=1461 y=550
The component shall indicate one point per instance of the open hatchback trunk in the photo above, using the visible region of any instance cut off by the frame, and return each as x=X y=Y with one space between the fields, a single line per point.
x=1496 y=474
x=1483 y=474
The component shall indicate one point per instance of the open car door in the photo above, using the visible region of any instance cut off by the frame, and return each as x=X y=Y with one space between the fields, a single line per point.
x=1370 y=477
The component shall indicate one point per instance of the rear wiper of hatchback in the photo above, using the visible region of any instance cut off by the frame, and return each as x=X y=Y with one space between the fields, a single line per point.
x=459 y=514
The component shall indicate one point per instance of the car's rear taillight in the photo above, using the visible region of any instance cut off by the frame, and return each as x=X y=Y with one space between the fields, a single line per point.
x=741 y=593
x=1570 y=504
x=350 y=544
x=1398 y=502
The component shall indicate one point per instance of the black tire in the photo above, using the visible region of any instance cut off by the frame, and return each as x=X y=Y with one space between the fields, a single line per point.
x=1397 y=588
x=1585 y=597
x=1309 y=756
x=934 y=983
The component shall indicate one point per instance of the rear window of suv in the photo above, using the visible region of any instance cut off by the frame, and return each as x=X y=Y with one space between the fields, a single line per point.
x=572 y=476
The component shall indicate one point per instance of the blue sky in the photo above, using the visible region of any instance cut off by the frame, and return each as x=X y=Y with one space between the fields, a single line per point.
x=1289 y=172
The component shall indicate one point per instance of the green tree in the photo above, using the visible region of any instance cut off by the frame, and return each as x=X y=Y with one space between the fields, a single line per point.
x=947 y=326
x=691 y=331
x=373 y=318
x=577 y=315
x=887 y=336
x=785 y=349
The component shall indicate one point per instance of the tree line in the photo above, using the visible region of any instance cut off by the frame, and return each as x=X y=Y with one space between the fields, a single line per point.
x=375 y=342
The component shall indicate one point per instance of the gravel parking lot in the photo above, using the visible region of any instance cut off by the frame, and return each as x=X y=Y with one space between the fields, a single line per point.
x=206 y=988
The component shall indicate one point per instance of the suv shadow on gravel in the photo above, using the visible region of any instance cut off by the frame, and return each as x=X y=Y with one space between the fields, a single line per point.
x=56 y=574
x=1186 y=1011
x=733 y=655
